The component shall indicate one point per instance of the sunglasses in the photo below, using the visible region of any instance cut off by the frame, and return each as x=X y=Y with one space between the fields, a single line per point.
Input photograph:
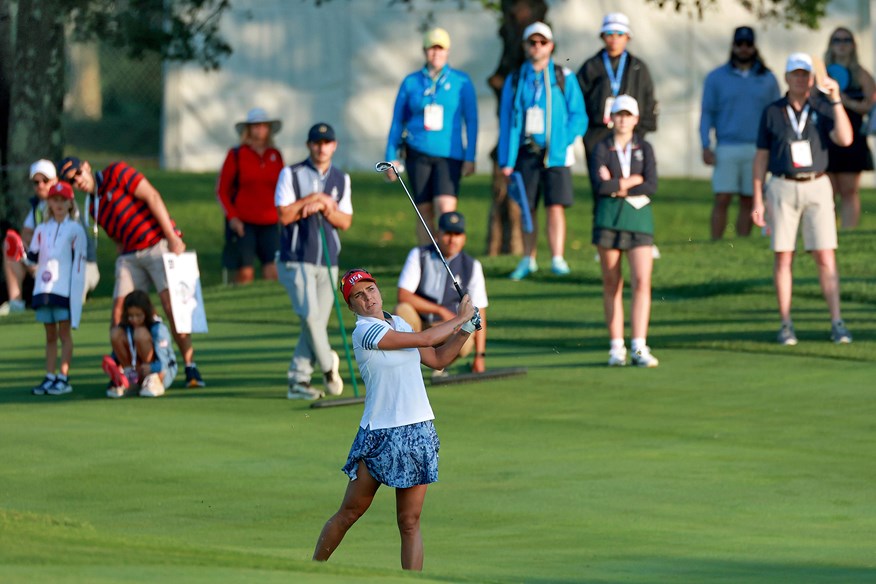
x=39 y=181
x=842 y=40
x=613 y=33
x=70 y=179
x=537 y=42
x=743 y=43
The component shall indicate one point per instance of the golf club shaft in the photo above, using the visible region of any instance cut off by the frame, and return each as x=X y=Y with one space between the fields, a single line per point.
x=383 y=167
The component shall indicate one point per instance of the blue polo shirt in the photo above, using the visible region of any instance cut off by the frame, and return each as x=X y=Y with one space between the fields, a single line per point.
x=776 y=134
x=733 y=101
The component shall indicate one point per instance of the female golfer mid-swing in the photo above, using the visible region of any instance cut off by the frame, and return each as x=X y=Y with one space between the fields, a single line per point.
x=396 y=444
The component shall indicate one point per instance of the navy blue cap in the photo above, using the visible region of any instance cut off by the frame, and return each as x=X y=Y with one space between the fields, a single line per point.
x=452 y=222
x=321 y=131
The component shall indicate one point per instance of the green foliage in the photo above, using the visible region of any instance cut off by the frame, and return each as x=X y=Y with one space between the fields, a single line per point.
x=736 y=460
x=183 y=30
x=806 y=13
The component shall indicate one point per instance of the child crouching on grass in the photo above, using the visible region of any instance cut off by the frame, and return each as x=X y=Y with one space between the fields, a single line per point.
x=143 y=360
x=58 y=249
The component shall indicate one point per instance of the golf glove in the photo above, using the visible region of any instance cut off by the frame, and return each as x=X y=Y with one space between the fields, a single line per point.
x=475 y=323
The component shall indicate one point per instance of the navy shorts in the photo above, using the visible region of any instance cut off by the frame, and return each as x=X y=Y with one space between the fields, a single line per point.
x=401 y=457
x=431 y=176
x=553 y=183
x=260 y=241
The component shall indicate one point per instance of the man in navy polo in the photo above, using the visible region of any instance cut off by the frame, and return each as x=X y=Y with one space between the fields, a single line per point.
x=792 y=145
x=313 y=204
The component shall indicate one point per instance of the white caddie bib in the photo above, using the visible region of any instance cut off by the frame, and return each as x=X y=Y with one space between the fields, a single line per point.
x=801 y=153
x=606 y=114
x=433 y=117
x=534 y=121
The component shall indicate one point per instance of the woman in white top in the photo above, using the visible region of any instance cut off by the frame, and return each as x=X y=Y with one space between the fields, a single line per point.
x=396 y=444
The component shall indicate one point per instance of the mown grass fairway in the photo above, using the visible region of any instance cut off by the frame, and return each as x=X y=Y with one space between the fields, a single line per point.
x=736 y=460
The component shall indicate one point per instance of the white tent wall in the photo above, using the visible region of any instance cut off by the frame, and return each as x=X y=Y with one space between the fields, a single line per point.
x=342 y=63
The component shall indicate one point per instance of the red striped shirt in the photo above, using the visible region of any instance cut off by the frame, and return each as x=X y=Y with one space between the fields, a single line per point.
x=125 y=218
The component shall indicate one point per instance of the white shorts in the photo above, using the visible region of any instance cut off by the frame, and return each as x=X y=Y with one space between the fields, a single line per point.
x=732 y=173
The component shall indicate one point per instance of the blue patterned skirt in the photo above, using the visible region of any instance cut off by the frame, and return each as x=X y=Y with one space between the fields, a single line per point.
x=400 y=457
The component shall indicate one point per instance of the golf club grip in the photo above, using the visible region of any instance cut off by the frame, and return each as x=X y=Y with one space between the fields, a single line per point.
x=459 y=291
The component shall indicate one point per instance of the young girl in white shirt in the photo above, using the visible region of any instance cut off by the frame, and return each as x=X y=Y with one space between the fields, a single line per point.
x=58 y=248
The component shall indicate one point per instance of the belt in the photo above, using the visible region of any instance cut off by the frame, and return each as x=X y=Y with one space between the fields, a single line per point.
x=802 y=176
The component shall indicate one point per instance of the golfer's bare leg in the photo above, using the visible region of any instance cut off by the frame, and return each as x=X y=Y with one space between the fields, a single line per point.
x=530 y=239
x=641 y=266
x=269 y=271
x=408 y=506
x=119 y=341
x=556 y=227
x=14 y=274
x=612 y=291
x=719 y=214
x=445 y=204
x=828 y=277
x=244 y=275
x=143 y=345
x=784 y=282
x=51 y=346
x=356 y=501
x=66 y=346
x=847 y=184
x=183 y=341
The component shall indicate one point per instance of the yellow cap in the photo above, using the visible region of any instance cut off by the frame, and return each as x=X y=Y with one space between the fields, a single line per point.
x=436 y=37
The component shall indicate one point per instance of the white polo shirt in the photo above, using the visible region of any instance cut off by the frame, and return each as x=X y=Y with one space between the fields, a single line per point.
x=395 y=394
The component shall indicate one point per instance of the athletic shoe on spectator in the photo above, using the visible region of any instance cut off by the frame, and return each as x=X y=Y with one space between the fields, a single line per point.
x=787 y=337
x=152 y=386
x=333 y=383
x=43 y=387
x=526 y=267
x=839 y=334
x=617 y=357
x=559 y=267
x=115 y=391
x=644 y=358
x=193 y=376
x=12 y=306
x=59 y=387
x=303 y=390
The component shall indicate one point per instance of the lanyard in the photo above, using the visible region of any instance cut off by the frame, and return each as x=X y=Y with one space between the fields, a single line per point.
x=624 y=156
x=432 y=91
x=539 y=87
x=798 y=127
x=615 y=78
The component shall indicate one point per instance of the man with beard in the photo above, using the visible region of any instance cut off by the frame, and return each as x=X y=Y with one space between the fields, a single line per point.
x=734 y=95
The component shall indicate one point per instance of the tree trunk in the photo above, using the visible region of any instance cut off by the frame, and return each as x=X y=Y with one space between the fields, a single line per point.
x=38 y=87
x=505 y=235
x=5 y=85
x=85 y=98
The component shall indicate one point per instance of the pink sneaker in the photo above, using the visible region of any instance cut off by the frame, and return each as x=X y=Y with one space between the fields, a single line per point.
x=117 y=377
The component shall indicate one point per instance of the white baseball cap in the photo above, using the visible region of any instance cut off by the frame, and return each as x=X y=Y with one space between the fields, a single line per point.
x=45 y=168
x=625 y=103
x=538 y=28
x=616 y=22
x=799 y=61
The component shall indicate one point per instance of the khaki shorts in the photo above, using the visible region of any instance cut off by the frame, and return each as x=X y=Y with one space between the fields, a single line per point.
x=791 y=202
x=135 y=271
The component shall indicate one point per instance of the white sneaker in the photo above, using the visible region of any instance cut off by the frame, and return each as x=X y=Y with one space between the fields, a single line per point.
x=115 y=392
x=332 y=381
x=298 y=390
x=59 y=387
x=644 y=358
x=152 y=386
x=617 y=357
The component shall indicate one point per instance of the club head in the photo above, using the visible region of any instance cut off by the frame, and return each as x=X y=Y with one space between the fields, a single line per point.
x=383 y=166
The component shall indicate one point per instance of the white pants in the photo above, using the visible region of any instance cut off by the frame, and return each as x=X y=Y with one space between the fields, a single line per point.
x=310 y=289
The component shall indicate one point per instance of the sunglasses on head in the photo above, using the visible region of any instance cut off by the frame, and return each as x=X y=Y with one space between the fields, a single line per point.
x=69 y=179
x=537 y=42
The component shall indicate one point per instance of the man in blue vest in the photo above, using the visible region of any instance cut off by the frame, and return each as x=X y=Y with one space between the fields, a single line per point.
x=313 y=204
x=427 y=296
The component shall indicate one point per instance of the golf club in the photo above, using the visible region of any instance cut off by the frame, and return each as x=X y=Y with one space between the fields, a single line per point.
x=383 y=167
